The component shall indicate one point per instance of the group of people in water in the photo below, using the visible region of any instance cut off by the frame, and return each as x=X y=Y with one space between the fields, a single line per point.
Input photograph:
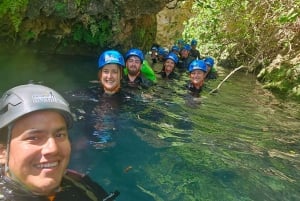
x=35 y=146
x=135 y=71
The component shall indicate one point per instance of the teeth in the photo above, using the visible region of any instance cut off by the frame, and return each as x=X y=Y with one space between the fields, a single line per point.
x=47 y=165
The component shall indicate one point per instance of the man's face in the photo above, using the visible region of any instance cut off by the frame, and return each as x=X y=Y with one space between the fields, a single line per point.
x=133 y=65
x=39 y=151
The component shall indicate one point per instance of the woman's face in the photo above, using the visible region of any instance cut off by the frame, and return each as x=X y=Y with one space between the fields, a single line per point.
x=169 y=66
x=110 y=78
x=197 y=77
x=184 y=53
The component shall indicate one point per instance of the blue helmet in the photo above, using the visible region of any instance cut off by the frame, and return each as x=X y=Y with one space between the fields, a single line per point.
x=209 y=61
x=154 y=48
x=175 y=48
x=163 y=51
x=135 y=52
x=197 y=65
x=173 y=57
x=186 y=47
x=110 y=57
x=194 y=42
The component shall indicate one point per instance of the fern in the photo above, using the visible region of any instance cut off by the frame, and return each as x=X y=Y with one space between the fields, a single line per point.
x=97 y=33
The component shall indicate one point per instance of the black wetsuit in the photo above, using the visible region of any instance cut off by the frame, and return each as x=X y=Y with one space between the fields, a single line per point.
x=183 y=64
x=74 y=187
x=139 y=82
x=195 y=53
x=193 y=89
x=172 y=75
x=211 y=75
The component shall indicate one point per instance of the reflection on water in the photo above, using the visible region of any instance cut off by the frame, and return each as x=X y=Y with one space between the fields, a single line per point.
x=163 y=144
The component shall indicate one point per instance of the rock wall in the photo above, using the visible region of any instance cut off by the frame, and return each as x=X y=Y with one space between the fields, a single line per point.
x=170 y=22
x=89 y=26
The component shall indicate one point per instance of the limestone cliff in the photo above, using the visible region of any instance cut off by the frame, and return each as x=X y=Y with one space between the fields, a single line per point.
x=88 y=26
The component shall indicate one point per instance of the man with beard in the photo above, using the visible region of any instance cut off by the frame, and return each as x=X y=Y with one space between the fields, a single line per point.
x=134 y=75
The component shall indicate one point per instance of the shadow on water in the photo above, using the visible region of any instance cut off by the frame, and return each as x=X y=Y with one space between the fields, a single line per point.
x=19 y=66
x=163 y=144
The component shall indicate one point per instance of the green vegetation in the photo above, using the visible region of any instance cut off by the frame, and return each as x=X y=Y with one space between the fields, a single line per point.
x=95 y=33
x=284 y=79
x=88 y=30
x=13 y=11
x=253 y=34
x=60 y=8
x=249 y=33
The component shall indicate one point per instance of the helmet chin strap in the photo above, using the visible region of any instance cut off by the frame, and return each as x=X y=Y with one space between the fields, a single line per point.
x=9 y=130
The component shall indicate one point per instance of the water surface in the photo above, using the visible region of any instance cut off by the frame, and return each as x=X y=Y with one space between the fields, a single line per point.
x=163 y=144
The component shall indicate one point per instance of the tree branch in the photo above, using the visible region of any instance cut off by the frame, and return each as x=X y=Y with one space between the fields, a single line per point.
x=217 y=88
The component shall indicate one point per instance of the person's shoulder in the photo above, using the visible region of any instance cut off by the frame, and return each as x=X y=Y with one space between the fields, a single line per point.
x=146 y=82
x=190 y=59
x=85 y=184
x=174 y=75
x=162 y=74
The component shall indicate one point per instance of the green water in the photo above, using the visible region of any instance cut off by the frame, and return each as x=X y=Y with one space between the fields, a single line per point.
x=241 y=144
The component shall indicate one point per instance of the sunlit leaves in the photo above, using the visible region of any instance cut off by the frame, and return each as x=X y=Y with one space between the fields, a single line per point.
x=251 y=33
x=291 y=16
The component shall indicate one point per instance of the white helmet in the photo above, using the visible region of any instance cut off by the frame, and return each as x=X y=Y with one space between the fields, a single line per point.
x=28 y=98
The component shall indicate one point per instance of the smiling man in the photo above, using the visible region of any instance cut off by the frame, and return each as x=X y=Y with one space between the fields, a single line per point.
x=134 y=76
x=35 y=149
x=39 y=153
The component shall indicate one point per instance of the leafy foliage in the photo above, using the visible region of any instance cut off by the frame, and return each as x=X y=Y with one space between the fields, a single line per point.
x=14 y=10
x=94 y=33
x=60 y=8
x=252 y=33
x=283 y=78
